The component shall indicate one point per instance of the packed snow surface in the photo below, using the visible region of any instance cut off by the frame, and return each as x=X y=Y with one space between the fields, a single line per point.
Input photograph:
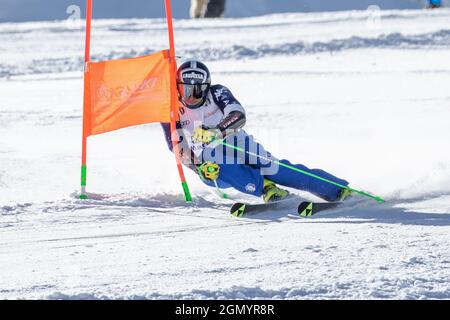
x=362 y=97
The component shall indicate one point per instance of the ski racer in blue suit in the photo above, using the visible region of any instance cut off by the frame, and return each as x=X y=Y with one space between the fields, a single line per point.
x=210 y=113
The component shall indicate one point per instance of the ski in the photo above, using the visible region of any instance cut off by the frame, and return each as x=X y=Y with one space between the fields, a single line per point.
x=240 y=209
x=307 y=209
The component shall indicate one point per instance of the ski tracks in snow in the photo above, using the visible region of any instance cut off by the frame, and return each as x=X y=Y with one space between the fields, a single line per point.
x=139 y=247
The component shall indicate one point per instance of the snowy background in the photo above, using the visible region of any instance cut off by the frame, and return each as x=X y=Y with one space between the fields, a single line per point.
x=362 y=94
x=31 y=10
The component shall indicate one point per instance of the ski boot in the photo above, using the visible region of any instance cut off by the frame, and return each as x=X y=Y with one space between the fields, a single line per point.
x=344 y=194
x=272 y=193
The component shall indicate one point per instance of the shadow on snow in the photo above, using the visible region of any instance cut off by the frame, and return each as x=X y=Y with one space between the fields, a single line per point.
x=387 y=213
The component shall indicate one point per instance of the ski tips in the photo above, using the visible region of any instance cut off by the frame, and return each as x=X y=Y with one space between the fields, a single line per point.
x=238 y=210
x=306 y=209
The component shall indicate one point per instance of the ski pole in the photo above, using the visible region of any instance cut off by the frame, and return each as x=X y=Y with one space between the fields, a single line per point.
x=174 y=99
x=220 y=193
x=376 y=198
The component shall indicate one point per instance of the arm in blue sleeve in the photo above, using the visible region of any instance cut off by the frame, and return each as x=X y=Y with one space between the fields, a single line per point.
x=234 y=114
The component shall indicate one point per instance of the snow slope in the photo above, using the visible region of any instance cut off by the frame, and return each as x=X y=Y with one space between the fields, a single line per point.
x=366 y=101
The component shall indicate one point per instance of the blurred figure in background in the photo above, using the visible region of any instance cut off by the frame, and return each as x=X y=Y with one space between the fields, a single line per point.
x=215 y=9
x=432 y=4
x=207 y=8
x=198 y=8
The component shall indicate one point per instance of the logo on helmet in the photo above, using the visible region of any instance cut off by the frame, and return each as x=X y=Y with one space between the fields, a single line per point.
x=193 y=75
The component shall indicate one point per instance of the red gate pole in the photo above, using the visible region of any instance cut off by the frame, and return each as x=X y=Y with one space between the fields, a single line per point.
x=87 y=58
x=174 y=101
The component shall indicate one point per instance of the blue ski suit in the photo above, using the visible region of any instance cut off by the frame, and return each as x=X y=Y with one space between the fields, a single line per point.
x=243 y=171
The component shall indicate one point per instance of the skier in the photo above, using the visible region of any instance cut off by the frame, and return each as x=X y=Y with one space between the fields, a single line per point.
x=215 y=9
x=207 y=8
x=209 y=113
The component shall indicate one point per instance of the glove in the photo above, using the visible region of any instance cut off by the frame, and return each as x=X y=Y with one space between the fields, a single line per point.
x=209 y=171
x=205 y=135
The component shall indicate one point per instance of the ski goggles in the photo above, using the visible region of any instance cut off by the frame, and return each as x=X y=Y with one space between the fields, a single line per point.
x=193 y=94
